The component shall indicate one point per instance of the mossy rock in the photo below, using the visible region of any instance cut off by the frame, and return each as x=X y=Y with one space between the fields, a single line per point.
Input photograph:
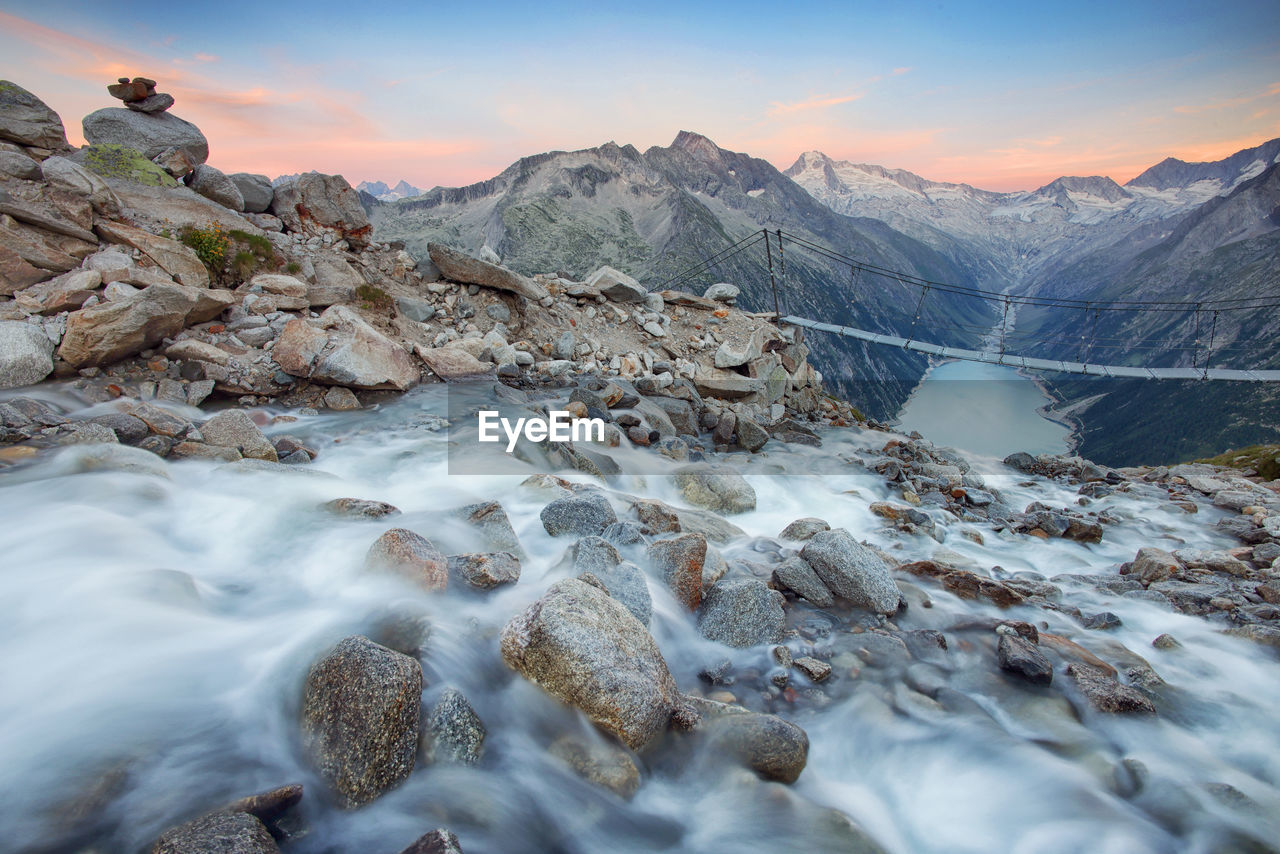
x=116 y=161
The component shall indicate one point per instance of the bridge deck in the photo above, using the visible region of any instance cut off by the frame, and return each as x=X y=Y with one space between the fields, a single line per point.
x=1036 y=364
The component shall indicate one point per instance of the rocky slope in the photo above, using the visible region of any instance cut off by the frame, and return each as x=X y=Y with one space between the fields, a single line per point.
x=658 y=213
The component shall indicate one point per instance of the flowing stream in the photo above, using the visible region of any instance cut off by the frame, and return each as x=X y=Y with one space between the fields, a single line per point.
x=158 y=624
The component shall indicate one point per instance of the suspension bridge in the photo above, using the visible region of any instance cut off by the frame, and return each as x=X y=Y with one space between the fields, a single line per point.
x=777 y=246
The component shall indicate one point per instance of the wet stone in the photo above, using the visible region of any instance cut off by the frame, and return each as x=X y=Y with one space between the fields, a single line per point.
x=360 y=719
x=438 y=841
x=817 y=671
x=742 y=612
x=583 y=515
x=454 y=732
x=1106 y=694
x=359 y=508
x=1023 y=658
x=218 y=833
x=485 y=571
x=411 y=555
x=796 y=575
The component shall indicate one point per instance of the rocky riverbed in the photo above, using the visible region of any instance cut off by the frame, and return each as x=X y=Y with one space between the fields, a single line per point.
x=260 y=596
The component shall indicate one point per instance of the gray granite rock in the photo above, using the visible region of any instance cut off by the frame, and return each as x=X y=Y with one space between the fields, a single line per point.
x=360 y=719
x=851 y=570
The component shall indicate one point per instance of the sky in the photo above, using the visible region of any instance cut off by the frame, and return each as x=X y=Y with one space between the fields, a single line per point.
x=1003 y=96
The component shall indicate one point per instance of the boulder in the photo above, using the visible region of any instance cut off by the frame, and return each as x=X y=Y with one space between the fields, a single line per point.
x=16 y=164
x=62 y=293
x=803 y=529
x=585 y=514
x=742 y=612
x=288 y=293
x=341 y=348
x=751 y=436
x=176 y=208
x=16 y=272
x=1023 y=658
x=173 y=257
x=410 y=555
x=773 y=748
x=200 y=351
x=616 y=285
x=315 y=204
x=233 y=428
x=27 y=120
x=25 y=354
x=587 y=650
x=796 y=575
x=256 y=190
x=493 y=525
x=599 y=764
x=726 y=385
x=218 y=833
x=460 y=267
x=851 y=570
x=731 y=355
x=454 y=732
x=64 y=174
x=1105 y=693
x=151 y=134
x=680 y=562
x=214 y=185
x=1152 y=565
x=336 y=281
x=485 y=571
x=360 y=719
x=722 y=292
x=111 y=331
x=123 y=165
x=452 y=363
x=721 y=490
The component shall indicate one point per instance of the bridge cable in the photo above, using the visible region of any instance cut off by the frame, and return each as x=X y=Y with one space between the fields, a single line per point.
x=924 y=292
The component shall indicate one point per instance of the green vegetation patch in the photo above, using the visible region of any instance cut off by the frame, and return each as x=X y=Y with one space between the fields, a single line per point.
x=116 y=161
x=372 y=297
x=1264 y=459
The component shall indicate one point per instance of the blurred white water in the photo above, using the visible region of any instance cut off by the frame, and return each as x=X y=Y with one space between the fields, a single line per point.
x=157 y=628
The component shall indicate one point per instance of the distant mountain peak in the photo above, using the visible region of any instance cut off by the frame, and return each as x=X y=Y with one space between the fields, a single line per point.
x=379 y=190
x=1095 y=185
x=696 y=144
x=1229 y=172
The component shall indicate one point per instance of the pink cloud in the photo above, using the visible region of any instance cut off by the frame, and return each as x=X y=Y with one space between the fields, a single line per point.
x=814 y=102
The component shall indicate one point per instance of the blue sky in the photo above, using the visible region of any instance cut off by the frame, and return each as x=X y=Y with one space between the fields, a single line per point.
x=1004 y=96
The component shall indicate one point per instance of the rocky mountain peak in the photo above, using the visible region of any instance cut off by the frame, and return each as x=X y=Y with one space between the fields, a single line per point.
x=697 y=145
x=1244 y=164
x=1093 y=185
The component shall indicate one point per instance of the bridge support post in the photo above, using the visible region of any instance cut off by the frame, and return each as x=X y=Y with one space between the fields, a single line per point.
x=773 y=282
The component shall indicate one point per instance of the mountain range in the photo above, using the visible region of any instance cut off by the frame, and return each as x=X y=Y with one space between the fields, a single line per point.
x=658 y=213
x=1178 y=231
